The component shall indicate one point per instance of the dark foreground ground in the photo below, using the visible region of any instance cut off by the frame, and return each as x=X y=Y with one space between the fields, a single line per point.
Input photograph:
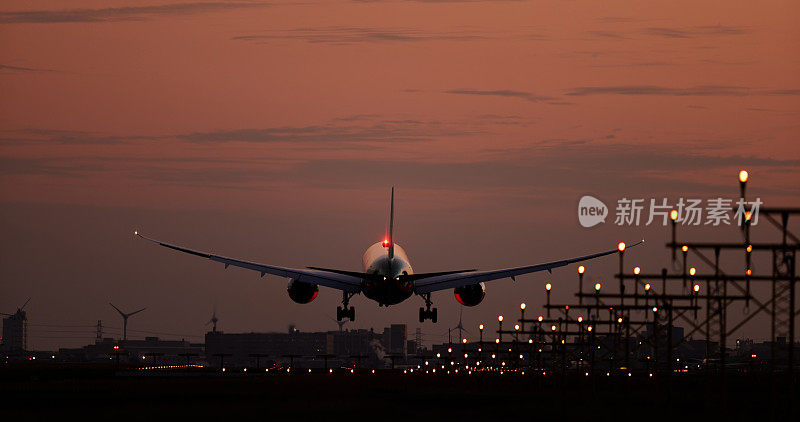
x=91 y=393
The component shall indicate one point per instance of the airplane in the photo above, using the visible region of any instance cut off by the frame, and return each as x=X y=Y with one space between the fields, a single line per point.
x=387 y=276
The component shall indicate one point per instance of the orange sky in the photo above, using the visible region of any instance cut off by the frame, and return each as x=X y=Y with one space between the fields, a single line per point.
x=273 y=124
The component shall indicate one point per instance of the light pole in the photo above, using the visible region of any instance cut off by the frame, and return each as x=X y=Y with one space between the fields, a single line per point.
x=597 y=287
x=547 y=288
x=621 y=248
x=500 y=327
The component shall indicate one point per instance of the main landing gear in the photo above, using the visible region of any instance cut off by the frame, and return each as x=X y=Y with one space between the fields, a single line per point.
x=346 y=311
x=427 y=312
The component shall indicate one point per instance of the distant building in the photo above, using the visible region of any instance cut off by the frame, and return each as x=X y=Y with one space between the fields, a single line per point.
x=394 y=339
x=15 y=332
x=149 y=350
x=240 y=349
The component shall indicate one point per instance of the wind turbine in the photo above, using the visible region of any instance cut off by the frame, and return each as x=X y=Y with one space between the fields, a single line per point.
x=213 y=320
x=125 y=320
x=459 y=327
x=339 y=323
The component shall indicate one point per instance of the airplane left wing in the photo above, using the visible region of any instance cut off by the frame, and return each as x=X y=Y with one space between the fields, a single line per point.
x=345 y=282
x=452 y=281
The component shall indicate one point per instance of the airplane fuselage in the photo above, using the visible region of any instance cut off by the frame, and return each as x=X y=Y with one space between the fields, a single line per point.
x=387 y=286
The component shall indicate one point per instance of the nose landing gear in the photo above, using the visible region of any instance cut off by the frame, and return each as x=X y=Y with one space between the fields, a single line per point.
x=346 y=311
x=426 y=312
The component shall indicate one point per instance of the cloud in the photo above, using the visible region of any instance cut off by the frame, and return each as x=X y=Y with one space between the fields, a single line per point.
x=4 y=67
x=699 y=91
x=56 y=136
x=114 y=14
x=547 y=167
x=351 y=35
x=502 y=93
x=440 y=1
x=46 y=166
x=387 y=131
x=695 y=32
x=608 y=34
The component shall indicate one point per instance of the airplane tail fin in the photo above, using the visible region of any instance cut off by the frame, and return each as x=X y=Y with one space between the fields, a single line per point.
x=391 y=226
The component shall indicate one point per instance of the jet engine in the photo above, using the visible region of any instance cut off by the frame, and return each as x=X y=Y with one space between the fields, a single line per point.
x=302 y=292
x=470 y=295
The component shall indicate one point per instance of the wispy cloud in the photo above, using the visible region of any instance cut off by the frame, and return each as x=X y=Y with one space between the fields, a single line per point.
x=700 y=91
x=696 y=31
x=67 y=137
x=528 y=96
x=352 y=35
x=8 y=68
x=439 y=1
x=113 y=14
x=384 y=131
x=609 y=34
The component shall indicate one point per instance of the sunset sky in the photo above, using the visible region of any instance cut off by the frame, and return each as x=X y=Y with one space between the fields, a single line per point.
x=273 y=131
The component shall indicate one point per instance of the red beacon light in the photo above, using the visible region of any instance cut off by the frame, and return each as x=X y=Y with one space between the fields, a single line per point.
x=385 y=243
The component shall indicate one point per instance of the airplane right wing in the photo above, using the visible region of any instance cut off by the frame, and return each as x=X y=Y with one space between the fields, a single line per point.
x=452 y=281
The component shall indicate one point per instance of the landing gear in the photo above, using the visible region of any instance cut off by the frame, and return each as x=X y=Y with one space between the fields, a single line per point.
x=427 y=312
x=346 y=311
x=349 y=313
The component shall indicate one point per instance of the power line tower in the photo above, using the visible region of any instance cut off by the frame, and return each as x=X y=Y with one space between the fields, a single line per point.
x=99 y=332
x=418 y=340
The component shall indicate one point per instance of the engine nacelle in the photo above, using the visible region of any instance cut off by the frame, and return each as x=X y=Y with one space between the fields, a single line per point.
x=470 y=295
x=301 y=292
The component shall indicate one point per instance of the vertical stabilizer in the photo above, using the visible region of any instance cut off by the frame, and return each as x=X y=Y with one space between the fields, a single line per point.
x=391 y=226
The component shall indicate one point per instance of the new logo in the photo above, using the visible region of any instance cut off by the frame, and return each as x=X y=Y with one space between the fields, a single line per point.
x=591 y=211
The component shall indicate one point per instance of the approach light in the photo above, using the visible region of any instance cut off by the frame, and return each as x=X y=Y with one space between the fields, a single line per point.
x=581 y=269
x=580 y=319
x=743 y=176
x=647 y=286
x=522 y=306
x=696 y=288
x=747 y=215
x=500 y=318
x=655 y=309
x=480 y=327
x=619 y=320
x=749 y=272
x=553 y=327
x=637 y=270
x=692 y=271
x=540 y=318
x=597 y=286
x=621 y=246
x=684 y=248
x=516 y=327
x=749 y=248
x=548 y=286
x=673 y=215
x=464 y=340
x=589 y=328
